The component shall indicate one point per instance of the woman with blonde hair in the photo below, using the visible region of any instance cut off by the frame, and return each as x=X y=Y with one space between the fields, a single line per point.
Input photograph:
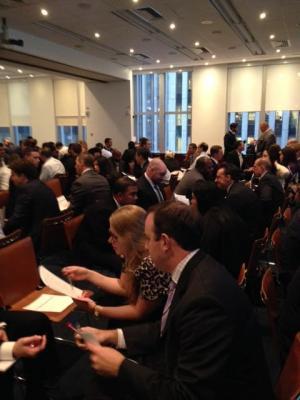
x=140 y=283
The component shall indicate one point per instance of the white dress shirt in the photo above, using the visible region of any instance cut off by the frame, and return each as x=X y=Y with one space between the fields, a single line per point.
x=51 y=168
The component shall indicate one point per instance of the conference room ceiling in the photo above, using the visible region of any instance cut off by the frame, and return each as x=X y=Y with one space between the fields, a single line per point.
x=230 y=31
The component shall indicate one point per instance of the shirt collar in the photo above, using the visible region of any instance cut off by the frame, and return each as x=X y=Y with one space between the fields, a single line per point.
x=180 y=266
x=86 y=170
x=117 y=203
x=149 y=179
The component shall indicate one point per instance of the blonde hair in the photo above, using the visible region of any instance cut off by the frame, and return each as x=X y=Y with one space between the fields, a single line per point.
x=129 y=222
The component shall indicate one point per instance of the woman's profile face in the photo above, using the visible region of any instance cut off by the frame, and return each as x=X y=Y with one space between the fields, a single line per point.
x=265 y=155
x=117 y=242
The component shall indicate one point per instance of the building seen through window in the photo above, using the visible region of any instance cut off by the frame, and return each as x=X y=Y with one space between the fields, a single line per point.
x=67 y=134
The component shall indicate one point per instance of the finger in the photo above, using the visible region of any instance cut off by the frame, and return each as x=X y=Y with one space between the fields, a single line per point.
x=93 y=348
x=31 y=340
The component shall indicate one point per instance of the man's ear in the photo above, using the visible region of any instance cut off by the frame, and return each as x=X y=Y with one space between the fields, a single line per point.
x=165 y=241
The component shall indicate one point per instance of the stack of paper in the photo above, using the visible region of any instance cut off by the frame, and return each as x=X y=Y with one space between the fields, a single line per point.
x=50 y=303
x=58 y=284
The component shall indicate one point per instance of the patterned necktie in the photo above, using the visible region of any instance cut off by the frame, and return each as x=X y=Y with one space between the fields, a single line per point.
x=172 y=288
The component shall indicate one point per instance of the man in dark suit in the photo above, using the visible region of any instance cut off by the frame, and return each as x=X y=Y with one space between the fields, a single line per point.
x=240 y=198
x=266 y=139
x=34 y=202
x=230 y=139
x=206 y=345
x=236 y=157
x=216 y=155
x=91 y=247
x=141 y=161
x=149 y=189
x=269 y=190
x=90 y=187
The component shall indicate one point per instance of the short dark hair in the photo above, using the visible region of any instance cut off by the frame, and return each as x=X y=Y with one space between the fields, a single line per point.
x=30 y=142
x=122 y=184
x=86 y=159
x=215 y=149
x=142 y=152
x=46 y=152
x=178 y=221
x=201 y=163
x=230 y=169
x=22 y=167
x=233 y=125
x=29 y=150
x=131 y=145
x=193 y=145
x=143 y=141
x=106 y=140
x=76 y=147
x=204 y=146
x=59 y=144
x=208 y=195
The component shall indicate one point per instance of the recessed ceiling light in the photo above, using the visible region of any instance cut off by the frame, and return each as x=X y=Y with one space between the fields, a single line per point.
x=31 y=76
x=197 y=44
x=206 y=63
x=157 y=61
x=206 y=22
x=44 y=12
x=262 y=15
x=172 y=26
x=7 y=77
x=248 y=65
x=283 y=57
x=278 y=51
x=298 y=73
x=131 y=51
x=180 y=70
x=284 y=62
x=171 y=66
x=140 y=69
x=213 y=56
x=244 y=60
x=1 y=67
x=20 y=71
x=97 y=35
x=151 y=72
x=272 y=36
x=135 y=1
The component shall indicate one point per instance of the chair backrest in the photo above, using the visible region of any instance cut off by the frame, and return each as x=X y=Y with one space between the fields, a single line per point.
x=55 y=186
x=287 y=215
x=53 y=236
x=11 y=238
x=269 y=295
x=288 y=384
x=71 y=227
x=64 y=182
x=18 y=271
x=242 y=276
x=4 y=196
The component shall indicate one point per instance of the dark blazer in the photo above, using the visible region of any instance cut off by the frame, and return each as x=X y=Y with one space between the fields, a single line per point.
x=229 y=142
x=91 y=247
x=189 y=180
x=246 y=204
x=34 y=202
x=271 y=195
x=88 y=189
x=146 y=195
x=210 y=347
x=233 y=158
x=264 y=143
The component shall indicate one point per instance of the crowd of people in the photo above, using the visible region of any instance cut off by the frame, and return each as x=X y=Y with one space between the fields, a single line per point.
x=173 y=268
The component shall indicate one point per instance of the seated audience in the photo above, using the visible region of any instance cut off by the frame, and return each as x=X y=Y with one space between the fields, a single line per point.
x=51 y=166
x=141 y=161
x=240 y=198
x=225 y=235
x=91 y=246
x=140 y=283
x=34 y=202
x=207 y=343
x=216 y=156
x=149 y=189
x=69 y=161
x=89 y=187
x=274 y=156
x=202 y=172
x=103 y=167
x=269 y=190
x=236 y=156
x=190 y=155
x=201 y=152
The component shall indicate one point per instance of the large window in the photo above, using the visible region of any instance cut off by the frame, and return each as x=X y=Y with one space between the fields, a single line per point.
x=67 y=134
x=4 y=133
x=284 y=124
x=21 y=133
x=163 y=110
x=248 y=127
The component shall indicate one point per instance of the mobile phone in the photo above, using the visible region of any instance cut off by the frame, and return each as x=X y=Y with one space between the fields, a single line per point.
x=87 y=337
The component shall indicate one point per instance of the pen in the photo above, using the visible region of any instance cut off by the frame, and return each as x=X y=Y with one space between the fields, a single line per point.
x=70 y=282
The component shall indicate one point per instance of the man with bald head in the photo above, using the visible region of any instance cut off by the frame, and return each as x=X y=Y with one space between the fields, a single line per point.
x=266 y=139
x=269 y=189
x=149 y=190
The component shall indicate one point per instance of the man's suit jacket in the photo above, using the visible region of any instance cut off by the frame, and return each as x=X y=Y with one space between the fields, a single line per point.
x=186 y=185
x=91 y=247
x=210 y=347
x=88 y=189
x=233 y=158
x=229 y=142
x=146 y=195
x=246 y=204
x=264 y=142
x=34 y=202
x=271 y=195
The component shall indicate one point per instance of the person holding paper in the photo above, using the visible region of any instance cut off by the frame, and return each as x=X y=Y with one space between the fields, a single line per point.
x=140 y=283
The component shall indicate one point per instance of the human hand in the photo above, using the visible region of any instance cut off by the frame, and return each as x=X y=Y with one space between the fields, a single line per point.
x=3 y=336
x=105 y=360
x=29 y=346
x=76 y=273
x=85 y=303
x=102 y=336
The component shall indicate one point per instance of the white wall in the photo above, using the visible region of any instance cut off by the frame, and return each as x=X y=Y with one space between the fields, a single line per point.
x=18 y=95
x=108 y=109
x=4 y=108
x=42 y=109
x=209 y=104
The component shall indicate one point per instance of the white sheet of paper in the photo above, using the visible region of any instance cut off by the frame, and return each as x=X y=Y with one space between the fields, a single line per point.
x=4 y=365
x=55 y=283
x=49 y=303
x=63 y=203
x=182 y=199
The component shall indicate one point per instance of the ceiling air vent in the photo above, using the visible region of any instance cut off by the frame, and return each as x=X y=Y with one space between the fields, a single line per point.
x=141 y=57
x=280 y=44
x=147 y=13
